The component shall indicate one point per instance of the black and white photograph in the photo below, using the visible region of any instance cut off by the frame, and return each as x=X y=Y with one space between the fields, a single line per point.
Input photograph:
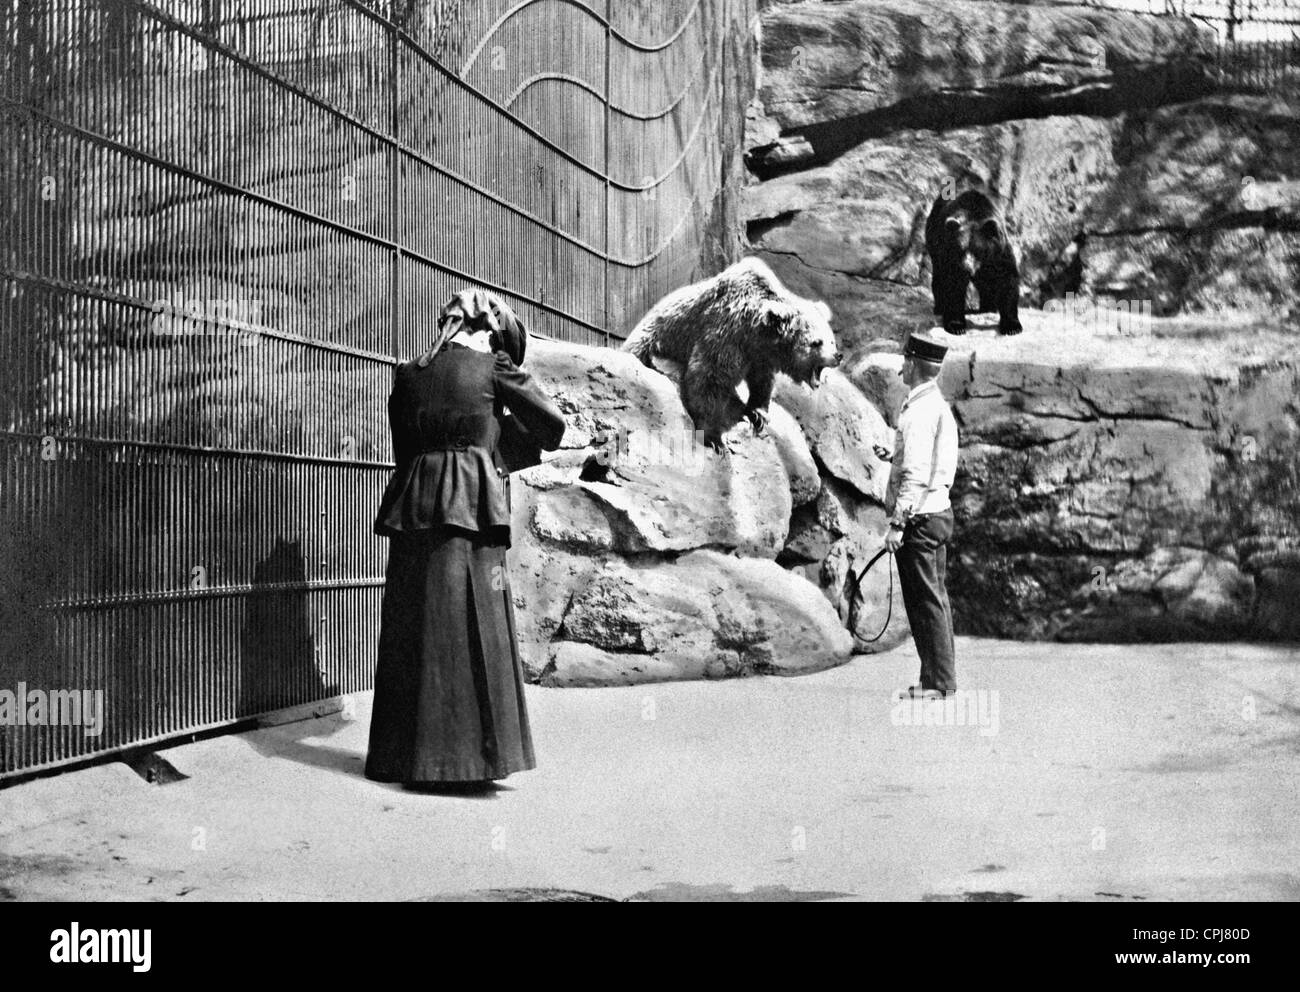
x=592 y=451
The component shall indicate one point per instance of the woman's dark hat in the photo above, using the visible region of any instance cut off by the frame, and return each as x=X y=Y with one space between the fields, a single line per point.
x=924 y=348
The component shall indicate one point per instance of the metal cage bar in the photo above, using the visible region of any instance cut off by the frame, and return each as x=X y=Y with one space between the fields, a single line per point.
x=223 y=224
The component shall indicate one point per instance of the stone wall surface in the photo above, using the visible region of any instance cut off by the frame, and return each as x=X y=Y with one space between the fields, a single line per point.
x=1123 y=169
x=1125 y=474
x=1115 y=487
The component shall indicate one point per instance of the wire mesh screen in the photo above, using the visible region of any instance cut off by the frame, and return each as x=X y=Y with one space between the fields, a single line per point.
x=224 y=221
x=1234 y=20
x=1256 y=43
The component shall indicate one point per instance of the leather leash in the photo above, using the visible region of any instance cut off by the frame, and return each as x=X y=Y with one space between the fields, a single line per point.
x=855 y=593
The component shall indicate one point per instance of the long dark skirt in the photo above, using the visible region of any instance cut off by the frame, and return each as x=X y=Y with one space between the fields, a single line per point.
x=449 y=687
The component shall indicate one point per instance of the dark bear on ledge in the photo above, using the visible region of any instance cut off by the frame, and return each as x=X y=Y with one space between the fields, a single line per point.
x=967 y=243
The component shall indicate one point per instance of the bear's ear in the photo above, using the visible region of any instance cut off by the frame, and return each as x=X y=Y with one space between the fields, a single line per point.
x=774 y=316
x=991 y=230
x=821 y=307
x=953 y=224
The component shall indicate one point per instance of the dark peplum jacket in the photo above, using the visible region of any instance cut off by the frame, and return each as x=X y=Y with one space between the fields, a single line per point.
x=446 y=420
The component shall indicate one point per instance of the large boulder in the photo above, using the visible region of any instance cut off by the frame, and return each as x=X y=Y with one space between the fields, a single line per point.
x=841 y=427
x=644 y=482
x=602 y=391
x=791 y=444
x=878 y=374
x=639 y=555
x=796 y=456
x=705 y=615
x=833 y=540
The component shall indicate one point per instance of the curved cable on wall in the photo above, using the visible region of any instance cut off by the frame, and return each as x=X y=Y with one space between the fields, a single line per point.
x=614 y=32
x=523 y=125
x=622 y=262
x=686 y=145
x=640 y=47
x=663 y=245
x=304 y=101
x=563 y=77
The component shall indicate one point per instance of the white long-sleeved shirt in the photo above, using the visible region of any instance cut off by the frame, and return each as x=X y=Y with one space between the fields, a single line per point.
x=925 y=456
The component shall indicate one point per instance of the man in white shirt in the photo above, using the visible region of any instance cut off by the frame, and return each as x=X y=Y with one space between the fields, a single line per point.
x=924 y=463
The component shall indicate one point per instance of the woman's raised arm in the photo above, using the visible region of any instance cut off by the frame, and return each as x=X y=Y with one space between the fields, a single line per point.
x=516 y=389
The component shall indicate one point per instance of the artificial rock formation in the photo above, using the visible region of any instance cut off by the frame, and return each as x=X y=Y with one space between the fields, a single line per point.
x=1128 y=167
x=1122 y=477
x=1116 y=486
x=640 y=555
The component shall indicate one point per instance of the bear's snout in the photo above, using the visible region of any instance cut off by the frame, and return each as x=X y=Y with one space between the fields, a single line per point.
x=836 y=359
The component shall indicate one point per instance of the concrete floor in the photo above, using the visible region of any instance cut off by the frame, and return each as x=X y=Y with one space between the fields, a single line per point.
x=1115 y=773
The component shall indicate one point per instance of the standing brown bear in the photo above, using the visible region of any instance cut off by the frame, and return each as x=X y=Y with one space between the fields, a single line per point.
x=741 y=324
x=967 y=242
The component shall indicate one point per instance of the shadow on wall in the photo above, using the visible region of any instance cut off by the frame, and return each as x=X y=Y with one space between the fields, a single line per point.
x=109 y=539
x=277 y=658
x=278 y=665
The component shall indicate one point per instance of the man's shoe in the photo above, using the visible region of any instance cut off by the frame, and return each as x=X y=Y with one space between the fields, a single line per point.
x=920 y=692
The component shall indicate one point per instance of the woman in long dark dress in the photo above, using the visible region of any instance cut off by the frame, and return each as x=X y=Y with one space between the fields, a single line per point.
x=449 y=700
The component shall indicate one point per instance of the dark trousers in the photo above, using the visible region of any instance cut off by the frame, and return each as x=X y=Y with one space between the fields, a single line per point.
x=923 y=573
